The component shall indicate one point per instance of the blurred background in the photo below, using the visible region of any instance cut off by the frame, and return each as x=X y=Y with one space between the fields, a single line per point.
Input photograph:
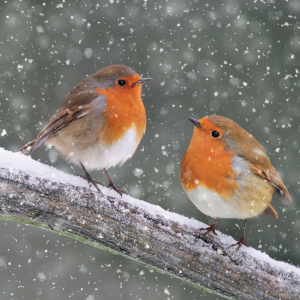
x=239 y=59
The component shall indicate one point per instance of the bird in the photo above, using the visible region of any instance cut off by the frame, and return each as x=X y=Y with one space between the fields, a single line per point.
x=99 y=124
x=226 y=173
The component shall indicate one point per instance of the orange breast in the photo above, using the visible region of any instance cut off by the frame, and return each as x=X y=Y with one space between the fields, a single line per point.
x=209 y=165
x=124 y=110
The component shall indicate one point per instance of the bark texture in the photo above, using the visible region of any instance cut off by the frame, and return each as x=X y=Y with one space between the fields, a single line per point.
x=147 y=236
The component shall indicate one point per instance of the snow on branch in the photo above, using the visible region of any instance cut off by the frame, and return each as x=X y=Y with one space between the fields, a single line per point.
x=40 y=195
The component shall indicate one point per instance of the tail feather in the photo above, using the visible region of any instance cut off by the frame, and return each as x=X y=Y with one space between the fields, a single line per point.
x=271 y=212
x=27 y=148
x=33 y=146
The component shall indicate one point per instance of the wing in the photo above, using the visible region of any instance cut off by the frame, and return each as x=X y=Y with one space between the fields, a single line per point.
x=261 y=166
x=272 y=176
x=67 y=113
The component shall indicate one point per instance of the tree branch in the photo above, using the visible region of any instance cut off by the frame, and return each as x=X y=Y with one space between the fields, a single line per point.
x=36 y=194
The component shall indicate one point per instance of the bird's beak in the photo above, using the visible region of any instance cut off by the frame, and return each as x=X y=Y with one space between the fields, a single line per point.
x=143 y=80
x=195 y=122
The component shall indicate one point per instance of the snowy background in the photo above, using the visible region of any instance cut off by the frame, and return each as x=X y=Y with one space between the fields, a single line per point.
x=239 y=59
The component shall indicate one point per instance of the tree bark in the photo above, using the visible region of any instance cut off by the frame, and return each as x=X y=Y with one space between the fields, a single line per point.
x=146 y=233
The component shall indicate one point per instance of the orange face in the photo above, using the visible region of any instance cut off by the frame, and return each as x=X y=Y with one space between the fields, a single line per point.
x=124 y=109
x=207 y=162
x=208 y=136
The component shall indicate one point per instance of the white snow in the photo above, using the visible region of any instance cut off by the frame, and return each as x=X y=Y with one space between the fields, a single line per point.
x=2 y=262
x=138 y=172
x=88 y=52
x=41 y=276
x=17 y=162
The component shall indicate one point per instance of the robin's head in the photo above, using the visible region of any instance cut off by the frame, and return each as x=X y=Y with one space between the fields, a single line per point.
x=119 y=77
x=221 y=133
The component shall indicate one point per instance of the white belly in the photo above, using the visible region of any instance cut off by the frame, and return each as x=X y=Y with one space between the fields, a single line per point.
x=99 y=157
x=214 y=206
x=249 y=200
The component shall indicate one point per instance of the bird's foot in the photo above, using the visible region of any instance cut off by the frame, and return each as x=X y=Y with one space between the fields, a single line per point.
x=89 y=179
x=241 y=242
x=211 y=228
x=112 y=186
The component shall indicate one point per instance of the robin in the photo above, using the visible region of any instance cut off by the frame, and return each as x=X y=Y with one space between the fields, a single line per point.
x=100 y=122
x=226 y=173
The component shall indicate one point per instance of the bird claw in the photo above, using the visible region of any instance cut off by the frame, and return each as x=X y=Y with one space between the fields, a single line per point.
x=112 y=186
x=241 y=242
x=90 y=180
x=209 y=229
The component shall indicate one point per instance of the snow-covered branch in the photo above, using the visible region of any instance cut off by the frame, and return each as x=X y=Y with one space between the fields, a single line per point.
x=40 y=195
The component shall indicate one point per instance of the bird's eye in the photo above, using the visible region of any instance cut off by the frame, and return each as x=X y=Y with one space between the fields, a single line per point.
x=121 y=82
x=215 y=134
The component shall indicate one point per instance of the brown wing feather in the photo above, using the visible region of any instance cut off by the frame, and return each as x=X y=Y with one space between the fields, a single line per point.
x=61 y=118
x=68 y=112
x=275 y=180
x=282 y=191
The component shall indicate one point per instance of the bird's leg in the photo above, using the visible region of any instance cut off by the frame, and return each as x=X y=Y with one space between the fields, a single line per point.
x=89 y=179
x=242 y=241
x=211 y=228
x=111 y=184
